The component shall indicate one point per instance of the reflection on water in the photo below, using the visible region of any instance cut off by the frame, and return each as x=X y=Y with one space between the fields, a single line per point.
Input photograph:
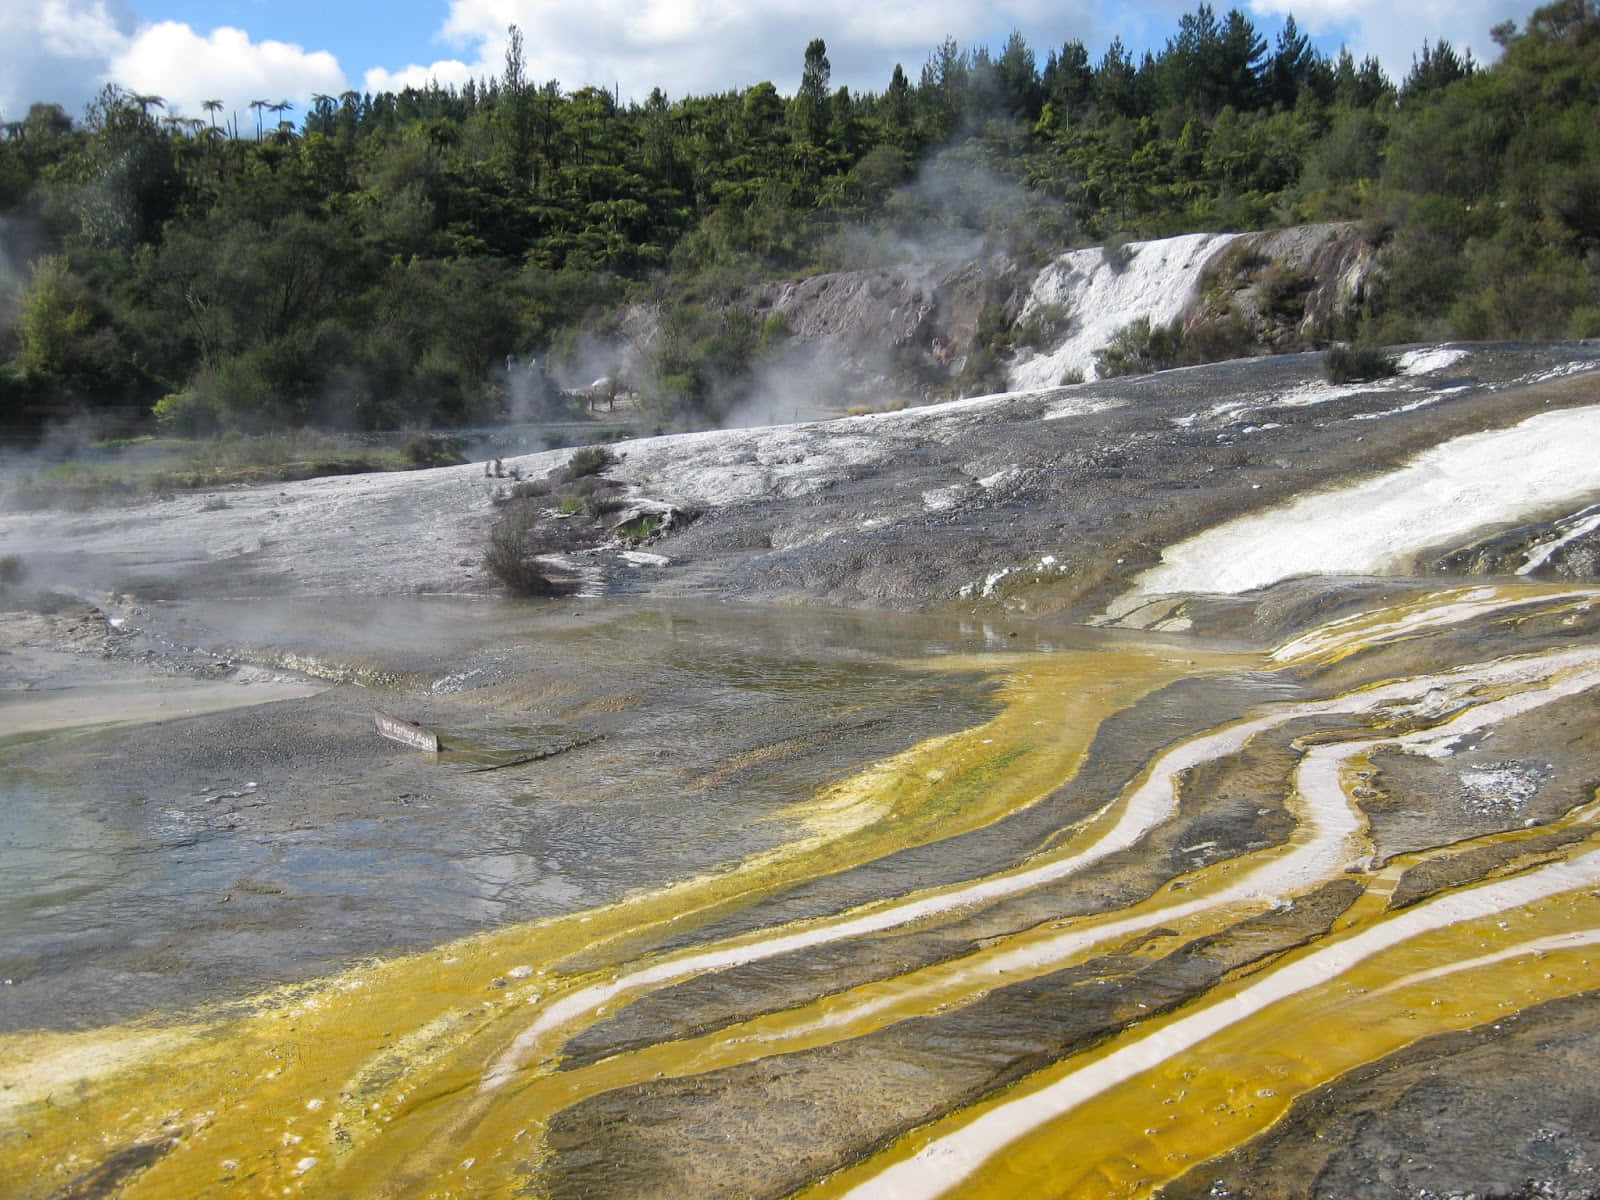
x=841 y=904
x=590 y=753
x=55 y=857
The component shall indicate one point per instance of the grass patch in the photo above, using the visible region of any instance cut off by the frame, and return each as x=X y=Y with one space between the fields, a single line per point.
x=641 y=527
x=867 y=410
x=117 y=472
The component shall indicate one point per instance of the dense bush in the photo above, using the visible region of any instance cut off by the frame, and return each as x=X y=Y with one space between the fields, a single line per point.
x=1139 y=347
x=374 y=268
x=12 y=571
x=590 y=460
x=1344 y=363
x=510 y=556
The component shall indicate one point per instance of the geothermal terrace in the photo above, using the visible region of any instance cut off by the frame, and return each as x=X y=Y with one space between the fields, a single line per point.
x=1175 y=786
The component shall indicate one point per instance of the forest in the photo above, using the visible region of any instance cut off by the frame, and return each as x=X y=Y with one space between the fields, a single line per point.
x=371 y=264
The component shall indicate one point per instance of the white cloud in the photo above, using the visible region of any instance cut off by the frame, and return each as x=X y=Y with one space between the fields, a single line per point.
x=1394 y=34
x=446 y=72
x=56 y=51
x=701 y=46
x=171 y=60
x=65 y=51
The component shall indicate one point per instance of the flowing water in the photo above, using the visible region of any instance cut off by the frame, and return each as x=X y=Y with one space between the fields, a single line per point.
x=792 y=902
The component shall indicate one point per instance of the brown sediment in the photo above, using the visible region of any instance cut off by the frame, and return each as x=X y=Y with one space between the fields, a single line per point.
x=107 y=1178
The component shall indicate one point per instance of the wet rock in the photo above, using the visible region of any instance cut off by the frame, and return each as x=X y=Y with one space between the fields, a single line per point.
x=1509 y=1111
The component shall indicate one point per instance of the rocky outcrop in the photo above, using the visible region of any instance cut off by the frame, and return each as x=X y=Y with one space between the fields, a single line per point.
x=912 y=332
x=1288 y=289
x=985 y=323
x=935 y=329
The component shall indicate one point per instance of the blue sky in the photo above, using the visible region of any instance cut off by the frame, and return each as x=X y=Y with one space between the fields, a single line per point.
x=63 y=51
x=359 y=33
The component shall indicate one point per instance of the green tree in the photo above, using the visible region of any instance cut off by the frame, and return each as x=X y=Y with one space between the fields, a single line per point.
x=896 y=114
x=1115 y=81
x=1437 y=68
x=1293 y=63
x=126 y=177
x=1068 y=82
x=811 y=101
x=53 y=317
x=1021 y=94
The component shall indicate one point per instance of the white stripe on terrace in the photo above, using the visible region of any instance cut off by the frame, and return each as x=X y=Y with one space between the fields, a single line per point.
x=1442 y=496
x=940 y=1165
x=1571 y=940
x=1539 y=555
x=1153 y=801
x=1459 y=607
x=1327 y=841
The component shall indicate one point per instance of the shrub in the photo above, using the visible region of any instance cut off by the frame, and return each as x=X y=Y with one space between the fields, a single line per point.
x=591 y=460
x=193 y=412
x=1045 y=326
x=1584 y=322
x=12 y=572
x=510 y=559
x=1139 y=347
x=1116 y=253
x=982 y=374
x=1283 y=293
x=529 y=489
x=774 y=328
x=1216 y=339
x=1345 y=363
x=434 y=450
x=1233 y=269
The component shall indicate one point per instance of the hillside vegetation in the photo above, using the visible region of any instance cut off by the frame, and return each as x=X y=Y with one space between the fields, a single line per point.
x=373 y=266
